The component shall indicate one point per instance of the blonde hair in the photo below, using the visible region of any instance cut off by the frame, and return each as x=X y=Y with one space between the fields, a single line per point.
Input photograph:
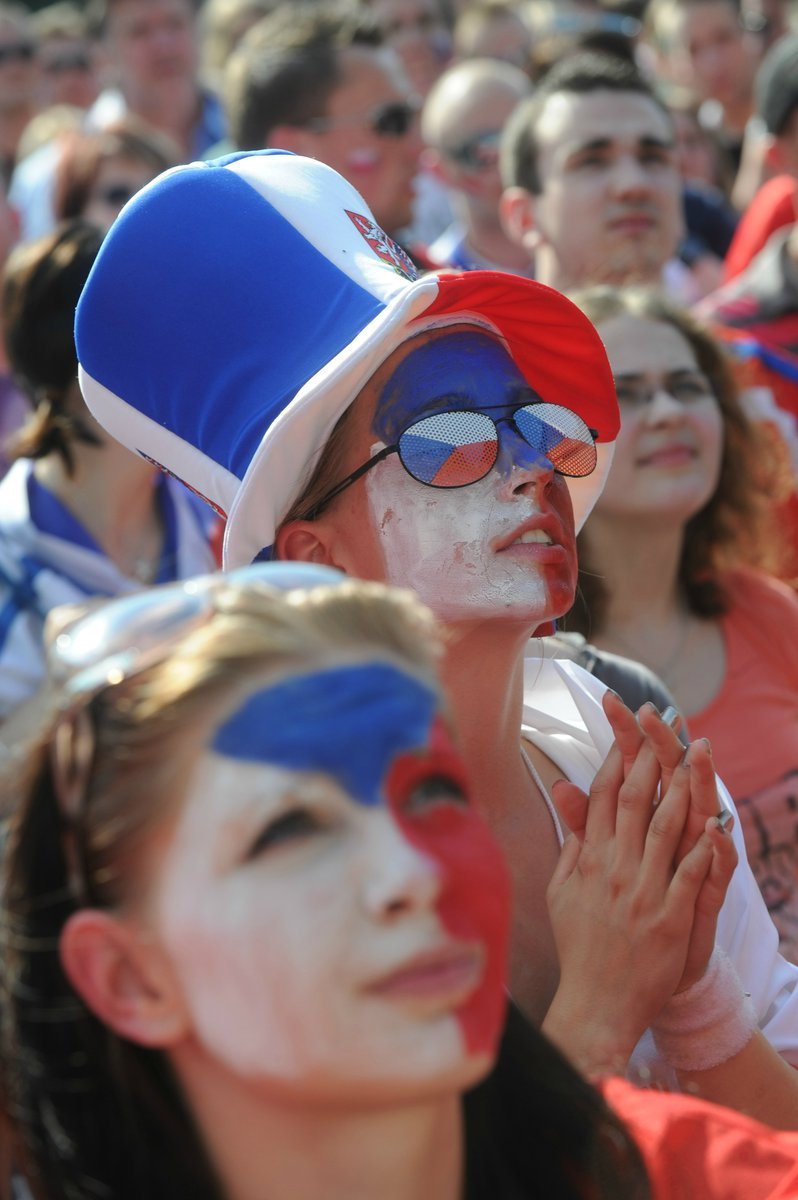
x=144 y=728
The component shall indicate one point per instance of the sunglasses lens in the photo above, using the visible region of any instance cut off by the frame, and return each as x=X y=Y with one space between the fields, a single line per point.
x=449 y=449
x=394 y=120
x=478 y=153
x=560 y=435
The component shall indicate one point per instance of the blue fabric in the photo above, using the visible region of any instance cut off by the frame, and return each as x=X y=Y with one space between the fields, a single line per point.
x=260 y=342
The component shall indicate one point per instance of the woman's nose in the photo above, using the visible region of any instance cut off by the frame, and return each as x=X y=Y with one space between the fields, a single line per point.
x=400 y=876
x=663 y=407
x=522 y=465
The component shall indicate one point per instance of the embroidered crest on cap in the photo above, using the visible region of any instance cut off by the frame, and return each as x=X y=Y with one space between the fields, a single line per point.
x=383 y=246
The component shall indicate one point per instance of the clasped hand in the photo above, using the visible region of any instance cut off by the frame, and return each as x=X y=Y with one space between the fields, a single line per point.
x=635 y=898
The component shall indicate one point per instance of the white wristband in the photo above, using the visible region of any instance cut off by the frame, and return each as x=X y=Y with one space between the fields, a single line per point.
x=709 y=1022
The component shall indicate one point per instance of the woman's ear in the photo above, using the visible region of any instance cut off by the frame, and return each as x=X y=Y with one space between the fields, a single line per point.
x=304 y=541
x=124 y=978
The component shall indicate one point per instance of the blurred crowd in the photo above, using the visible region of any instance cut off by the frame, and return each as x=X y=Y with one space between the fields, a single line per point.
x=640 y=156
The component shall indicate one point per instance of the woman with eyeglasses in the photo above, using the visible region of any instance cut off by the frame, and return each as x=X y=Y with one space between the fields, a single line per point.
x=254 y=933
x=447 y=433
x=684 y=517
x=79 y=515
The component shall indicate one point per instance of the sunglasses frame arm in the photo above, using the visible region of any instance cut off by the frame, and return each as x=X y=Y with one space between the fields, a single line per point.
x=344 y=484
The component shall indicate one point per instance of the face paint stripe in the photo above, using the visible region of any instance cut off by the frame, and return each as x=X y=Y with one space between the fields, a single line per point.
x=475 y=896
x=348 y=722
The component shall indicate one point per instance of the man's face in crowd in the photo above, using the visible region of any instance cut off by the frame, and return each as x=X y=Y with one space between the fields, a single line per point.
x=153 y=44
x=710 y=53
x=609 y=209
x=381 y=165
x=19 y=69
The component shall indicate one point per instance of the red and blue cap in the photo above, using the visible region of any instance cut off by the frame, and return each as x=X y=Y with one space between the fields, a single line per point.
x=238 y=306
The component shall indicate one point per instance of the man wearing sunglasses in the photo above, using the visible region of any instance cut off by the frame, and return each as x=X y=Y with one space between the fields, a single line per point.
x=315 y=79
x=461 y=124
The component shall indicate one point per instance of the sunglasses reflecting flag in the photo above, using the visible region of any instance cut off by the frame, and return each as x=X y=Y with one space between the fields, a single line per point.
x=455 y=448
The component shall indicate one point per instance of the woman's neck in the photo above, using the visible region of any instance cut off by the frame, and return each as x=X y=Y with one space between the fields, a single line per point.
x=483 y=673
x=286 y=1150
x=638 y=562
x=112 y=493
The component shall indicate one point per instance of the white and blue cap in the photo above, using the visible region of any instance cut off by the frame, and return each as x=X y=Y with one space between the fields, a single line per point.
x=238 y=306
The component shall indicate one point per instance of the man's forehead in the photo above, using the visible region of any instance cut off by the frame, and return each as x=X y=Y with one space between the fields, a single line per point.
x=571 y=119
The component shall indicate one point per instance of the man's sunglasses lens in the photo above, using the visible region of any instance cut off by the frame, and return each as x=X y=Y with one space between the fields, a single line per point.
x=560 y=435
x=394 y=120
x=453 y=449
x=449 y=449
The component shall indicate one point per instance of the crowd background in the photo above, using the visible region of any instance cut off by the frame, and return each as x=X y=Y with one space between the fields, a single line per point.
x=639 y=157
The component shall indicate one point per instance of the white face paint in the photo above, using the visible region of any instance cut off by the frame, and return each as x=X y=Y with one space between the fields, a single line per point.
x=295 y=909
x=439 y=543
x=503 y=546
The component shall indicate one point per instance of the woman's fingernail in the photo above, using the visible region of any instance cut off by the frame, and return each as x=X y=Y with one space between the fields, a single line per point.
x=671 y=717
x=724 y=819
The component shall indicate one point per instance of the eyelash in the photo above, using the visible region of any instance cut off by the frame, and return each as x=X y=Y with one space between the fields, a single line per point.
x=290 y=826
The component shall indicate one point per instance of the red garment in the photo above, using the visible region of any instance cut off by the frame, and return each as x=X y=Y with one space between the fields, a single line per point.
x=774 y=206
x=752 y=725
x=694 y=1150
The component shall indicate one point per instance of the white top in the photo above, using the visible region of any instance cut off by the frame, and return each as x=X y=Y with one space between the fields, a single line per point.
x=39 y=571
x=563 y=717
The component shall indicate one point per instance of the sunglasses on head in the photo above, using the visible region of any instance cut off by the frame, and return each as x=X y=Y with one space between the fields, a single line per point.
x=388 y=120
x=17 y=52
x=116 y=641
x=478 y=152
x=456 y=448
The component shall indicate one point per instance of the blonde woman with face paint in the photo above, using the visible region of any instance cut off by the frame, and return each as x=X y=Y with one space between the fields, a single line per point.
x=450 y=433
x=254 y=932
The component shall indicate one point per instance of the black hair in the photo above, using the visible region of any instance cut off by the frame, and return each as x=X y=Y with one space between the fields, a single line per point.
x=581 y=73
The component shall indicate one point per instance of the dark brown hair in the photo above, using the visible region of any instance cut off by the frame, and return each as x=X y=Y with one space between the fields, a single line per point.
x=735 y=526
x=42 y=282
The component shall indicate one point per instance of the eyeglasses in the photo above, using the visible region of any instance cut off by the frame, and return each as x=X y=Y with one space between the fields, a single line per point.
x=17 y=52
x=388 y=120
x=477 y=153
x=456 y=448
x=686 y=387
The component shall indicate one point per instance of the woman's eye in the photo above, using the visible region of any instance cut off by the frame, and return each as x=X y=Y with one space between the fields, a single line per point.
x=629 y=395
x=290 y=827
x=691 y=388
x=435 y=790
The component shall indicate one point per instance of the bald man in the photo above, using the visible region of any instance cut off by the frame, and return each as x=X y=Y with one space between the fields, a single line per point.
x=461 y=124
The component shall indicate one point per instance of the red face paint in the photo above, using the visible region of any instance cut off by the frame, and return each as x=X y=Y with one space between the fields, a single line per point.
x=474 y=904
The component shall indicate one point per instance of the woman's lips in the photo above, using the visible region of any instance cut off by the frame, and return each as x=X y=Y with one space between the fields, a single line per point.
x=669 y=456
x=447 y=976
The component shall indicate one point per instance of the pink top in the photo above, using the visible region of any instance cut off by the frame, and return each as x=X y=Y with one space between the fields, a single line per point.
x=753 y=726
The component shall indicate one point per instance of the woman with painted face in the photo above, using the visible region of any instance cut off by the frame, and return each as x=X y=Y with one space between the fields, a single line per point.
x=255 y=934
x=451 y=433
x=686 y=514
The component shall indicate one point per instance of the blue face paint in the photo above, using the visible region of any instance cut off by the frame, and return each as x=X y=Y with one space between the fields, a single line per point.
x=463 y=369
x=347 y=722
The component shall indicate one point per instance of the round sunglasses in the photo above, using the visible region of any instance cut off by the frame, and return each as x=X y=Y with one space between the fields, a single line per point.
x=456 y=448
